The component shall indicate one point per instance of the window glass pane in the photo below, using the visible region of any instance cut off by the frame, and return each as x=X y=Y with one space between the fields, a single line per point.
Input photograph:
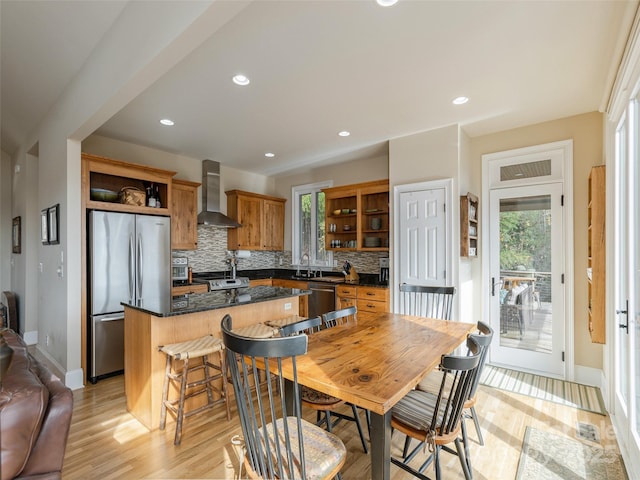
x=305 y=224
x=308 y=226
x=321 y=254
x=525 y=273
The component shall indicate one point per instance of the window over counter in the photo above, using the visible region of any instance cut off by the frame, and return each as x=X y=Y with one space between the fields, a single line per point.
x=308 y=225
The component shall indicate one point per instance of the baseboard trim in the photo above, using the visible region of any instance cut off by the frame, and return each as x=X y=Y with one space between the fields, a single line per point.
x=589 y=376
x=74 y=379
x=30 y=338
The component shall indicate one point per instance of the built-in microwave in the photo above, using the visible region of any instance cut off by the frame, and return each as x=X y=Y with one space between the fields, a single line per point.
x=180 y=268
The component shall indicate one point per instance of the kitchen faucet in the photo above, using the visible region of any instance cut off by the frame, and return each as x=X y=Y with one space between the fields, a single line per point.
x=233 y=262
x=308 y=263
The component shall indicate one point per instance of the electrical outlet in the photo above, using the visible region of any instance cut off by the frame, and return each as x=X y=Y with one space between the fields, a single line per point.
x=287 y=306
x=46 y=340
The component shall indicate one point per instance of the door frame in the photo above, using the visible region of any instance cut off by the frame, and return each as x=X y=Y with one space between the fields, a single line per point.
x=563 y=150
x=451 y=234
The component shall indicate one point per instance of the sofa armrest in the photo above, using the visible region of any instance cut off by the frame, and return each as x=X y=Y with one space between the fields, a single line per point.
x=47 y=454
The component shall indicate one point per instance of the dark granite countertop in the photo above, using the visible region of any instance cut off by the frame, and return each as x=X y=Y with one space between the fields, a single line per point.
x=201 y=302
x=366 y=279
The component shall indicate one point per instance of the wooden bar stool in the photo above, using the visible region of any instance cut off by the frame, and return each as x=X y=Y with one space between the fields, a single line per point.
x=193 y=349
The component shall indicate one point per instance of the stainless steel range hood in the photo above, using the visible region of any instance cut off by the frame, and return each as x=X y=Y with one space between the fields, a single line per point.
x=210 y=214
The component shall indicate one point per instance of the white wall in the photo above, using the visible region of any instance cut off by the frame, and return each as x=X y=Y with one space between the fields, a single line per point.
x=6 y=218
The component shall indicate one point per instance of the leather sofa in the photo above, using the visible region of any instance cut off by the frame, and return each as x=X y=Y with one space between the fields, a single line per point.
x=35 y=416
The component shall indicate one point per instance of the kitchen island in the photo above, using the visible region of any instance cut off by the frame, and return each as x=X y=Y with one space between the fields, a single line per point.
x=183 y=318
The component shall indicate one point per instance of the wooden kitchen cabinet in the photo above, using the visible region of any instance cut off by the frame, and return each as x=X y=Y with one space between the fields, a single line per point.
x=189 y=289
x=370 y=301
x=346 y=296
x=184 y=215
x=262 y=220
x=357 y=217
x=303 y=305
x=596 y=262
x=109 y=174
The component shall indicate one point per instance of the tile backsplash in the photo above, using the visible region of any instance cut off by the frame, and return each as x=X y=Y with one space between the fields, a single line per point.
x=211 y=255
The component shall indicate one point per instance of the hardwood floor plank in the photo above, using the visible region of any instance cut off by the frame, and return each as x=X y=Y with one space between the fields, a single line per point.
x=107 y=442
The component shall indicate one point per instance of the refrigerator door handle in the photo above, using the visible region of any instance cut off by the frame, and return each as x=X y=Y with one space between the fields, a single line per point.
x=131 y=269
x=139 y=271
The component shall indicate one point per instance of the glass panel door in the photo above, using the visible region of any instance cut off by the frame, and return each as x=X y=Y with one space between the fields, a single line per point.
x=527 y=306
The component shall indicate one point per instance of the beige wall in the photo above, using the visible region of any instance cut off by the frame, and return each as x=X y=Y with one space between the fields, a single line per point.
x=587 y=133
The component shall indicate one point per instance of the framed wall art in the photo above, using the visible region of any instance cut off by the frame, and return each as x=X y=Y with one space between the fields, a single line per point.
x=16 y=235
x=44 y=226
x=53 y=223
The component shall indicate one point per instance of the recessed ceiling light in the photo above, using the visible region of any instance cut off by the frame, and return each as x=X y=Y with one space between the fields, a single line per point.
x=241 y=80
x=344 y=133
x=460 y=100
x=269 y=155
x=386 y=3
x=167 y=122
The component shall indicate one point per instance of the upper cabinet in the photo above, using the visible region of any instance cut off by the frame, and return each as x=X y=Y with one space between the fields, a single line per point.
x=184 y=215
x=596 y=263
x=262 y=220
x=357 y=217
x=103 y=181
x=469 y=225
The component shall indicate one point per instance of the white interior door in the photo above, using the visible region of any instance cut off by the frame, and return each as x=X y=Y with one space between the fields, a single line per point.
x=526 y=265
x=423 y=237
x=626 y=278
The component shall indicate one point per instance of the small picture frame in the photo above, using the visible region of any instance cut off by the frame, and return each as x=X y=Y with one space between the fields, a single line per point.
x=53 y=224
x=16 y=235
x=44 y=226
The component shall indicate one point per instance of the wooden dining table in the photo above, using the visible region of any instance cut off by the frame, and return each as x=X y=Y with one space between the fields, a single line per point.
x=373 y=363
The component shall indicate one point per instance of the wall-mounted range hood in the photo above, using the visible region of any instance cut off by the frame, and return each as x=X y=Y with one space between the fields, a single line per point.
x=210 y=214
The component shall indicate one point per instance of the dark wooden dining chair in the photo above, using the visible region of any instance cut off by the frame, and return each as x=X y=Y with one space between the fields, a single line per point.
x=436 y=418
x=306 y=326
x=483 y=338
x=277 y=445
x=318 y=401
x=425 y=301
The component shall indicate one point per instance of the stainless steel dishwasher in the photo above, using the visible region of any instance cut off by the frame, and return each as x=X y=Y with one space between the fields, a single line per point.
x=322 y=298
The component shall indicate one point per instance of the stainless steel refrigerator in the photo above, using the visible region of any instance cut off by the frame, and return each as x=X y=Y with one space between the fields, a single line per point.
x=129 y=261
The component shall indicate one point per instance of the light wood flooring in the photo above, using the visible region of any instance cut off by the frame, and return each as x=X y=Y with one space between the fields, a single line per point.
x=106 y=442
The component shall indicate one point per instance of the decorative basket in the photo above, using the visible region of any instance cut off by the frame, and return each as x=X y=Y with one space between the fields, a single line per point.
x=132 y=196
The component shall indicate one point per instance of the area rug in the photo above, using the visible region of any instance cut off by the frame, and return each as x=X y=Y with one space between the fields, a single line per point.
x=571 y=394
x=546 y=456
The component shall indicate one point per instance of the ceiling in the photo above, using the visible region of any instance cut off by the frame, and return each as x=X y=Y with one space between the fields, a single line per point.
x=320 y=67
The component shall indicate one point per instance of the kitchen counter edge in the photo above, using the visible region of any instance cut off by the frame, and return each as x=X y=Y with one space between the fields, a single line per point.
x=202 y=302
